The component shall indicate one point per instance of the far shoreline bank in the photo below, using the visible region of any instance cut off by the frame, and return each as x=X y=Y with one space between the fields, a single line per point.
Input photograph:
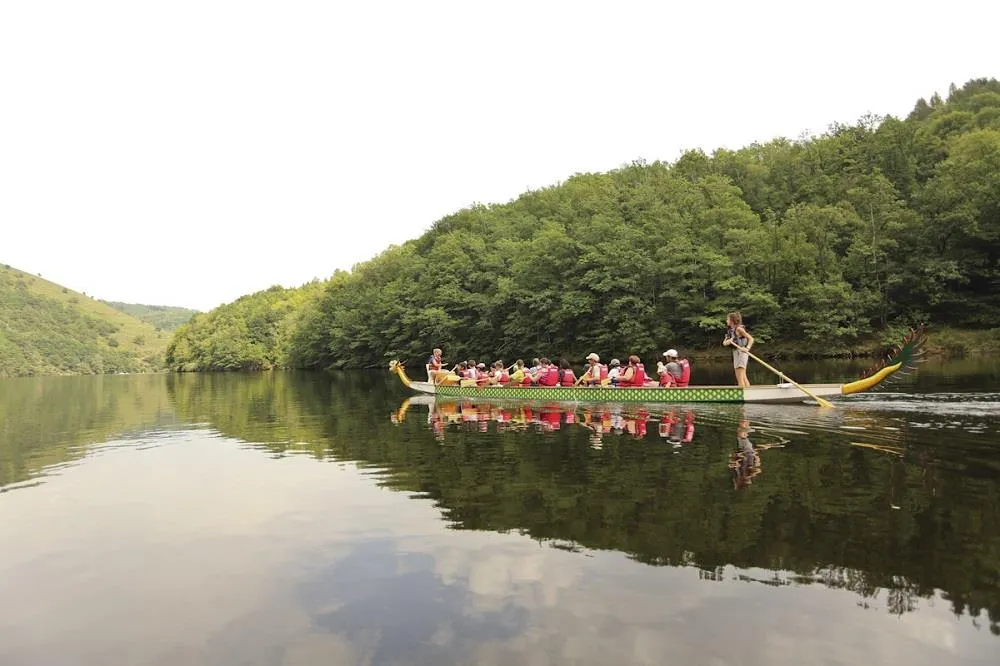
x=942 y=342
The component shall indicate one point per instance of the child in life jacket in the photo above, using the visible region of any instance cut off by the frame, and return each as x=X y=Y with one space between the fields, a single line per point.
x=549 y=374
x=520 y=376
x=500 y=375
x=614 y=371
x=566 y=375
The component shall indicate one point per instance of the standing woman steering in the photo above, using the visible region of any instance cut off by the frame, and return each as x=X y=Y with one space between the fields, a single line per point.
x=737 y=334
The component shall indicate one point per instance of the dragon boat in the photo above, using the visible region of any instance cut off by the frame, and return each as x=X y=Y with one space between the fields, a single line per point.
x=900 y=361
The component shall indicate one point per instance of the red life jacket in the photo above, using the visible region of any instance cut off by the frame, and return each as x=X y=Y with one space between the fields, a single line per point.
x=504 y=377
x=689 y=428
x=568 y=378
x=599 y=376
x=549 y=376
x=685 y=372
x=638 y=377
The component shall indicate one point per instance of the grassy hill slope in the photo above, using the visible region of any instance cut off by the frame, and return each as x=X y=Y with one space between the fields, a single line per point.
x=47 y=329
x=165 y=317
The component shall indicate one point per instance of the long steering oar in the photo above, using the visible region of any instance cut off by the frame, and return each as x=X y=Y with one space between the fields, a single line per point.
x=781 y=375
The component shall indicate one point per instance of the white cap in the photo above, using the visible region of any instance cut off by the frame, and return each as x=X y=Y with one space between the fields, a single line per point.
x=593 y=357
x=670 y=352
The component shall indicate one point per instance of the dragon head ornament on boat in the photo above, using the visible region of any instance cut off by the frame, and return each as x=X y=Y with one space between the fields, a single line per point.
x=395 y=367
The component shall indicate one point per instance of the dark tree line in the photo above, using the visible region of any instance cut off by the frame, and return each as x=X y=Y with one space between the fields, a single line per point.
x=829 y=242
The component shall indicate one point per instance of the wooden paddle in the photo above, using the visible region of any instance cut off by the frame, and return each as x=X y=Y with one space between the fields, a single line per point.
x=584 y=376
x=781 y=375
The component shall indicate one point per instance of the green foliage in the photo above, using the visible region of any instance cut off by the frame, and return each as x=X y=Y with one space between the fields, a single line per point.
x=251 y=333
x=48 y=329
x=163 y=317
x=826 y=241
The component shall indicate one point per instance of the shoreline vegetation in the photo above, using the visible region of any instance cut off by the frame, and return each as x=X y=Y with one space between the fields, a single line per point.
x=831 y=245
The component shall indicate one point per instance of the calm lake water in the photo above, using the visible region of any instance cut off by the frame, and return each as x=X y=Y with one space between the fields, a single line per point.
x=324 y=519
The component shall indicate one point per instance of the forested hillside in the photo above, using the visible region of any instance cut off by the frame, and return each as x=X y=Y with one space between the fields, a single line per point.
x=251 y=333
x=829 y=241
x=161 y=317
x=48 y=329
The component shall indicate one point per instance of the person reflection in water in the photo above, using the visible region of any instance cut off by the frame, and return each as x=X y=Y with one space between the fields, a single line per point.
x=745 y=461
x=599 y=423
x=677 y=428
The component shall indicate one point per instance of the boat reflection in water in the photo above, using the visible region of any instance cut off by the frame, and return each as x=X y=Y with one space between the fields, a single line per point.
x=676 y=425
x=673 y=424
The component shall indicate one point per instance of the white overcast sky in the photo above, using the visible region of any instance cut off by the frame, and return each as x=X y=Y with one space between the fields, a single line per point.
x=190 y=152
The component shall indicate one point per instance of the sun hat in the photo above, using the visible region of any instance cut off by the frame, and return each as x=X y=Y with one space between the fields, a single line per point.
x=593 y=357
x=670 y=352
x=615 y=361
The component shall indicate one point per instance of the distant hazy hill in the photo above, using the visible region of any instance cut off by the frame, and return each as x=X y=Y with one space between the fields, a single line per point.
x=48 y=329
x=159 y=316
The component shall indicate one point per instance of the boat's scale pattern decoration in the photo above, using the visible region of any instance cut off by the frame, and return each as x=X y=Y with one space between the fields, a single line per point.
x=598 y=394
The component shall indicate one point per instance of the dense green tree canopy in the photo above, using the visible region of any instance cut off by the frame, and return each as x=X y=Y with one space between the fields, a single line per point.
x=251 y=333
x=827 y=241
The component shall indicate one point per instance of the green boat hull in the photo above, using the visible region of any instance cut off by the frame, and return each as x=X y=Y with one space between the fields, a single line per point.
x=596 y=394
